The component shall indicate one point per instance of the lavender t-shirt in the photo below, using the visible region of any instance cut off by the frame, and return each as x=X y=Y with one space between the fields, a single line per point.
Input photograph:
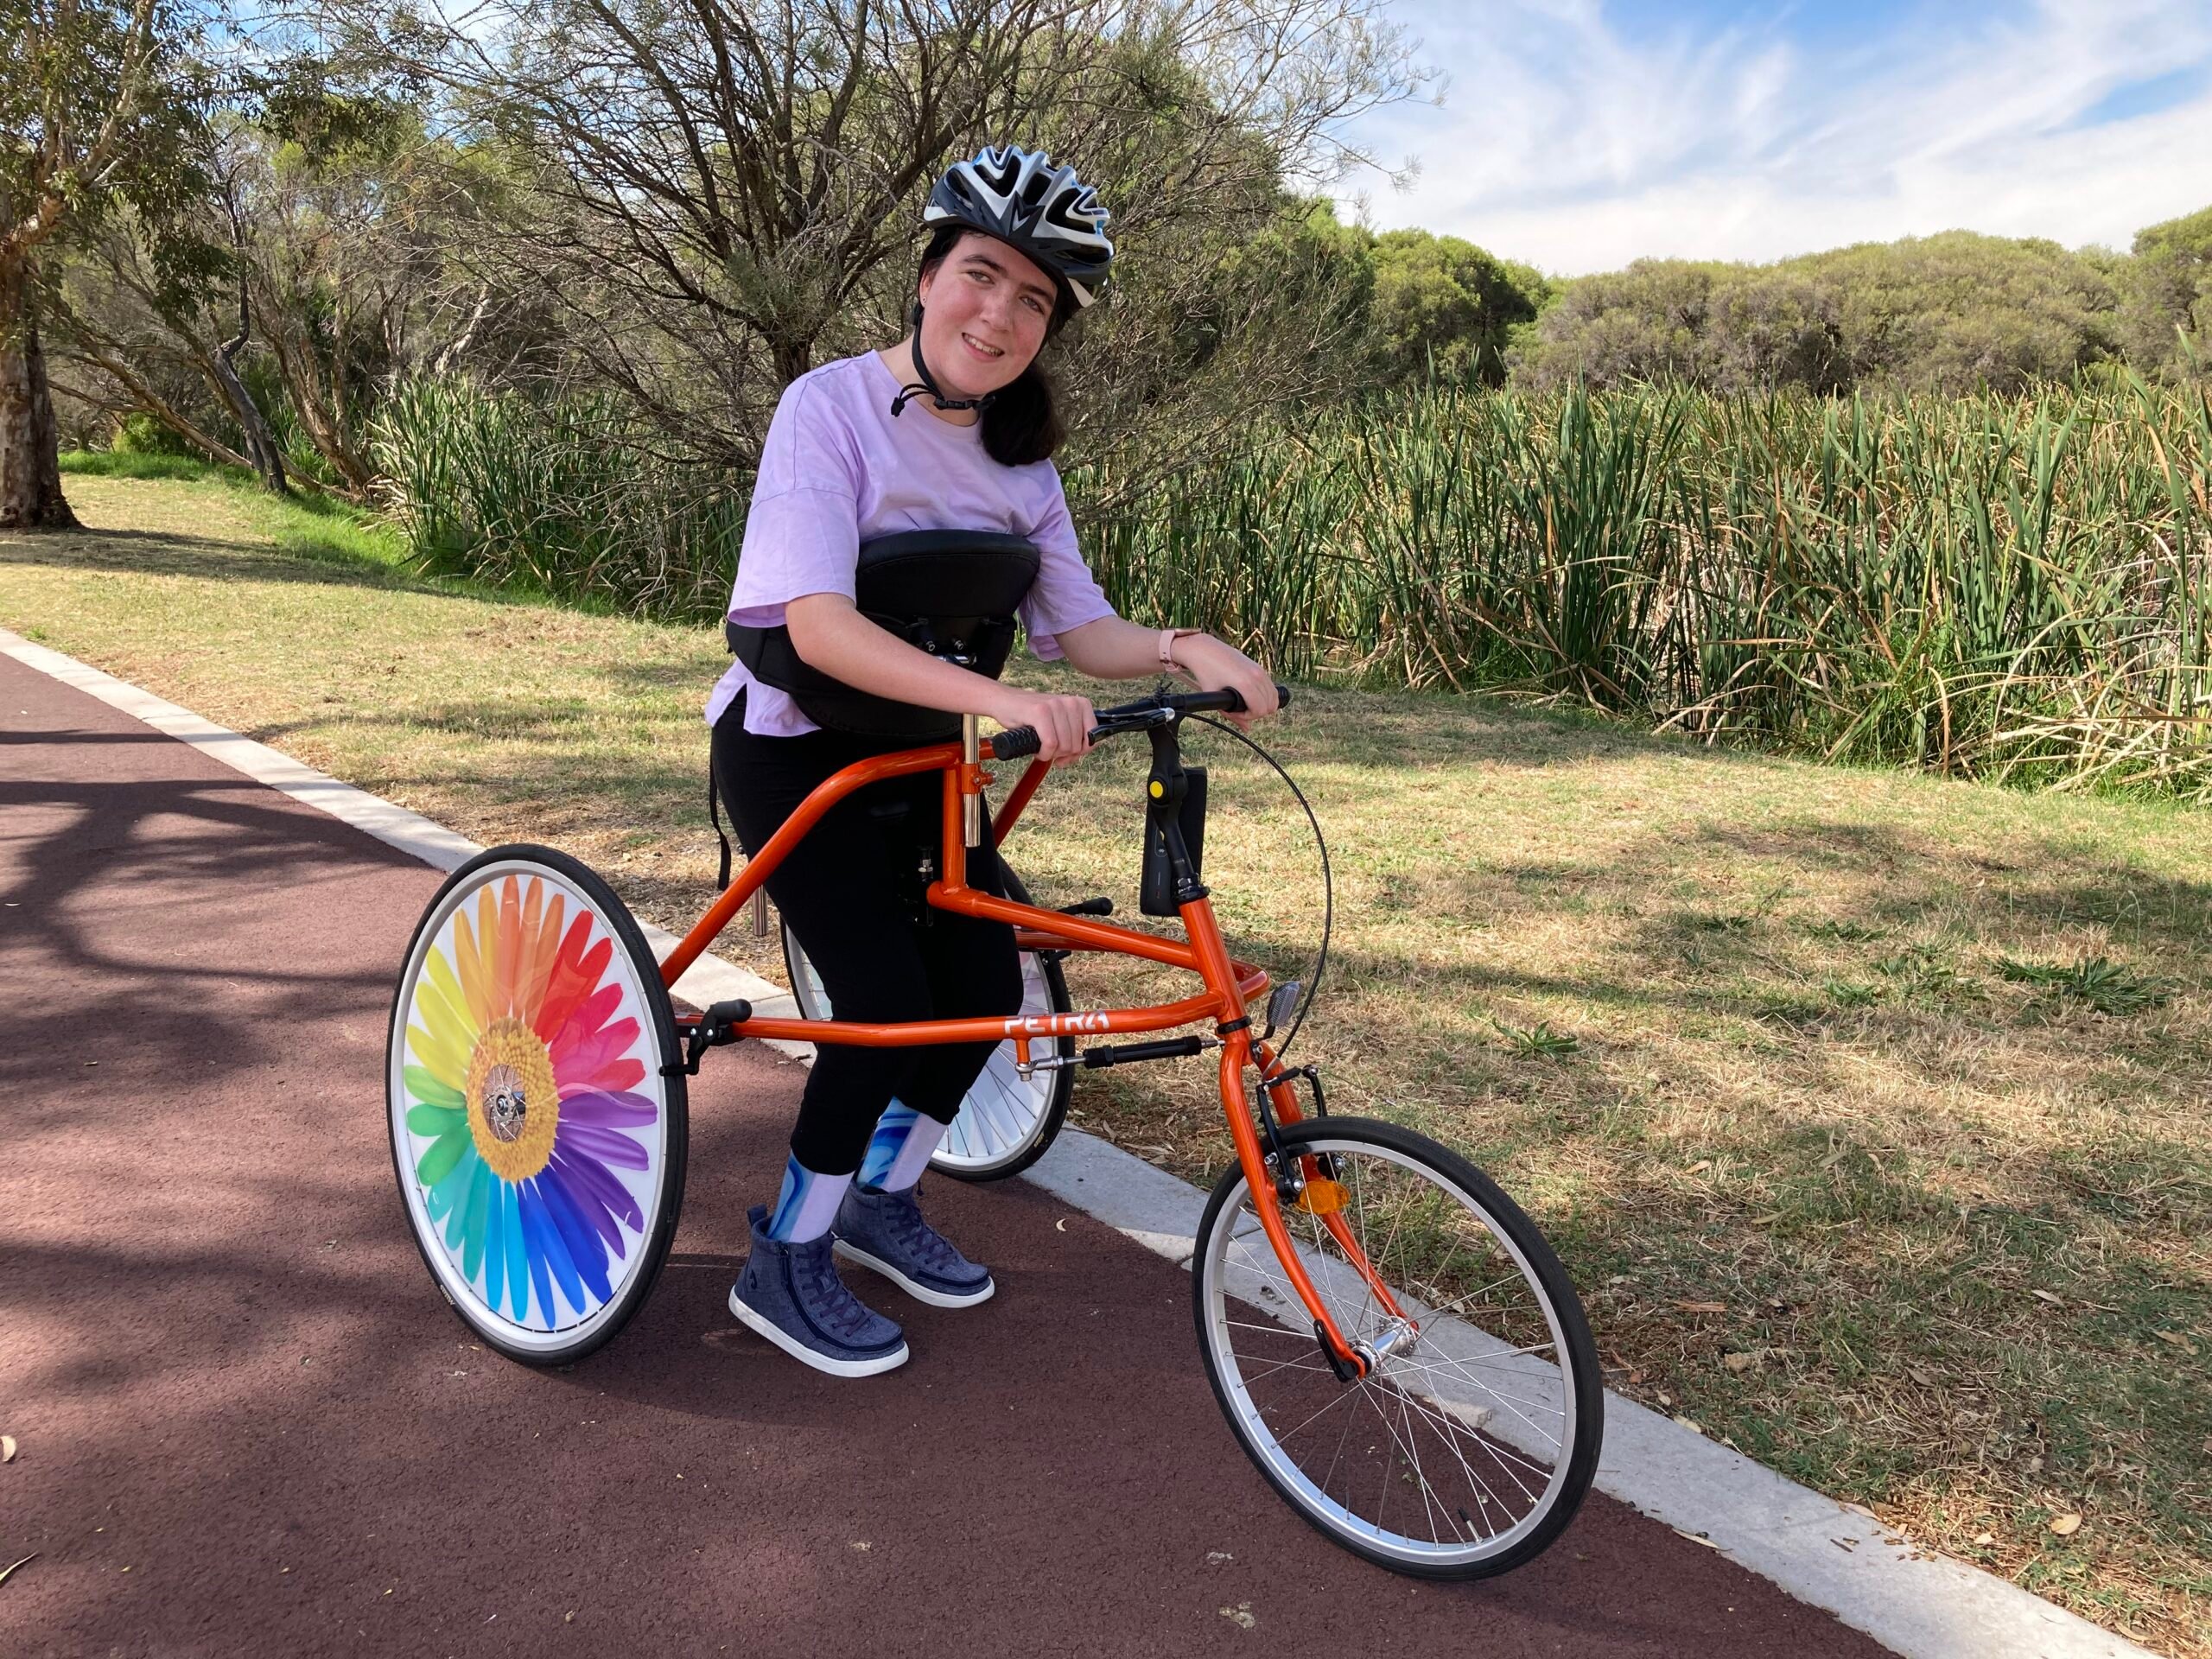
x=838 y=469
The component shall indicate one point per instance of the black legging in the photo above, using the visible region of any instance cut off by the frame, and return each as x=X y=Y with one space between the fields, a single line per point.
x=847 y=890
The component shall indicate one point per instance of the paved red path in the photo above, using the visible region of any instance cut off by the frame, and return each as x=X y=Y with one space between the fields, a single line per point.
x=248 y=1423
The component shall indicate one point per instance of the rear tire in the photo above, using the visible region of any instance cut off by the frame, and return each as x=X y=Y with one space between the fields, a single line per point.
x=1007 y=1121
x=537 y=1137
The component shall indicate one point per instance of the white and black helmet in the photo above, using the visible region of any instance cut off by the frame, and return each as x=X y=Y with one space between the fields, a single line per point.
x=1021 y=197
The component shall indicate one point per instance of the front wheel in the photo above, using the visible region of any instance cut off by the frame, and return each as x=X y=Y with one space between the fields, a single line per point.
x=1467 y=1447
x=1005 y=1120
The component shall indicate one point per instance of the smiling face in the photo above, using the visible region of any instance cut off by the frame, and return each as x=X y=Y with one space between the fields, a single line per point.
x=985 y=309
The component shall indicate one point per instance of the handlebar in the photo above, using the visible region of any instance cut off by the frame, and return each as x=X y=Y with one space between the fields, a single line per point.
x=1157 y=709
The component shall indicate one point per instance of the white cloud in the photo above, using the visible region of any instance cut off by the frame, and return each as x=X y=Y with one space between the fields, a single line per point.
x=1567 y=142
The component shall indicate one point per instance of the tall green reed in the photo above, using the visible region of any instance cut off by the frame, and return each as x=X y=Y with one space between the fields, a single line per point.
x=2006 y=587
x=563 y=498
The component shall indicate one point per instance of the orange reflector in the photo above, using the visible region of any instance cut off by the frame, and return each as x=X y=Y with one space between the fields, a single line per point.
x=1322 y=1197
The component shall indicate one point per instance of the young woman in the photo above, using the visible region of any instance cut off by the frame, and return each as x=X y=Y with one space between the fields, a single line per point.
x=951 y=429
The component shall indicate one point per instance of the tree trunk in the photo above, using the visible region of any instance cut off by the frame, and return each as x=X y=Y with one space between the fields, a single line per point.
x=259 y=441
x=30 y=450
x=268 y=459
x=793 y=358
x=260 y=444
x=297 y=364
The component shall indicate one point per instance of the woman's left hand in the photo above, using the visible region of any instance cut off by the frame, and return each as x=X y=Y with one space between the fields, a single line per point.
x=1217 y=665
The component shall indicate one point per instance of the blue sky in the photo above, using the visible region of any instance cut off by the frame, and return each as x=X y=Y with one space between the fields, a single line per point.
x=1578 y=135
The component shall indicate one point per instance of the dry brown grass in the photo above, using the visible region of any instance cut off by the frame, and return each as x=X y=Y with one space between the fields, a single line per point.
x=1954 y=1225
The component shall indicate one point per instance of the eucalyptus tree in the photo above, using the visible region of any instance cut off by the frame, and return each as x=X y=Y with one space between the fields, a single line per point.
x=328 y=231
x=718 y=192
x=1443 y=305
x=1952 y=313
x=2166 y=307
x=97 y=110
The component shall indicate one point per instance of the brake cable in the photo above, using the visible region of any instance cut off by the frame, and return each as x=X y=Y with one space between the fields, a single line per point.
x=1328 y=886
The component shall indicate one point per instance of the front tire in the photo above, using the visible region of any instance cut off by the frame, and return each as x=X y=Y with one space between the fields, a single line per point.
x=1467 y=1448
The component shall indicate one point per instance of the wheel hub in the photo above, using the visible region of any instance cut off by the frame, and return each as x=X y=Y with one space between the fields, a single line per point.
x=514 y=1104
x=503 y=1105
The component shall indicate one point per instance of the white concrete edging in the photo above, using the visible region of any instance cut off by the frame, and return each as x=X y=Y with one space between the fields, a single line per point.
x=1828 y=1555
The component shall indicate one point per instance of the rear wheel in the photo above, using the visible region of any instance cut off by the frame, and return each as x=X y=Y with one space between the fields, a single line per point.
x=537 y=1137
x=1006 y=1120
x=1468 y=1446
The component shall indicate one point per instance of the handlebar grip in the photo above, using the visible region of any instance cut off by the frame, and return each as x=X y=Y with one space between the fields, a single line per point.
x=1236 y=698
x=1013 y=744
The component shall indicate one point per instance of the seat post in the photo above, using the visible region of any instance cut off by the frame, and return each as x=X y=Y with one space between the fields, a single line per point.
x=971 y=804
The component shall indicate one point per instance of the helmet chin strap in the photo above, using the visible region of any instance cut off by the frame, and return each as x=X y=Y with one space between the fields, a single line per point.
x=928 y=385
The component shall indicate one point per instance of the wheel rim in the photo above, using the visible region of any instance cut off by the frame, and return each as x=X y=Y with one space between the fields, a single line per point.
x=1002 y=1115
x=1455 y=1449
x=527 y=1105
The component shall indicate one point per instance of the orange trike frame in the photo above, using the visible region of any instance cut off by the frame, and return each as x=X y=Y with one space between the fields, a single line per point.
x=1229 y=984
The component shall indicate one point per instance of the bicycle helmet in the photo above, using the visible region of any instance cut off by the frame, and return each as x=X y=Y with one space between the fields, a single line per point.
x=1043 y=210
x=1037 y=208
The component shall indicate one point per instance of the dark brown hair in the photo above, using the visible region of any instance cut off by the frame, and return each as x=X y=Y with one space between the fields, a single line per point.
x=1019 y=422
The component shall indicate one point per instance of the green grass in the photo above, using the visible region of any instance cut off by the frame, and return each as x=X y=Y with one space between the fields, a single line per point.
x=1954 y=1222
x=2105 y=986
x=1539 y=1041
x=2013 y=588
x=309 y=523
x=125 y=463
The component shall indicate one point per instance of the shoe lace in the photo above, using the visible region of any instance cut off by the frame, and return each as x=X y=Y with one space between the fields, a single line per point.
x=918 y=1238
x=829 y=1299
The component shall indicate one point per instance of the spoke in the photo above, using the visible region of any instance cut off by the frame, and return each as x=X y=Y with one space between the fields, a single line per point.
x=1377 y=1262
x=1506 y=1457
x=1261 y=1265
x=1295 y=1363
x=1350 y=1419
x=1489 y=1446
x=999 y=1138
x=1499 y=1451
x=1458 y=1302
x=1462 y=1372
x=1320 y=1286
x=1492 y=1359
x=1452 y=1440
x=1340 y=1398
x=1390 y=1463
x=1420 y=1474
x=1411 y=1362
x=1036 y=994
x=1269 y=1330
x=1017 y=1105
x=1359 y=1232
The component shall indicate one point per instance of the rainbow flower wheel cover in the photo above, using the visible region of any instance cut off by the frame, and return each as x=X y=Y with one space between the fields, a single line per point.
x=538 y=1144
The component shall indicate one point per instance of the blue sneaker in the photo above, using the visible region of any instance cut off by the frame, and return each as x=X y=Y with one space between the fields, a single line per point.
x=885 y=1231
x=791 y=1293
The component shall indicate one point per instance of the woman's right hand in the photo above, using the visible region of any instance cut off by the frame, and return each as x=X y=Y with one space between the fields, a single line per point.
x=1062 y=724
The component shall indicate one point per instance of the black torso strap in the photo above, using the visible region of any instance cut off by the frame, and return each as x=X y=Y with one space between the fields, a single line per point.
x=951 y=593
